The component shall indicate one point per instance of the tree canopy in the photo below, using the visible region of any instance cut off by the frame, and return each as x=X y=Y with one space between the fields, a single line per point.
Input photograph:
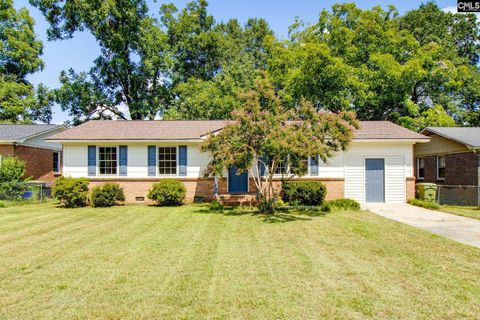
x=20 y=52
x=182 y=63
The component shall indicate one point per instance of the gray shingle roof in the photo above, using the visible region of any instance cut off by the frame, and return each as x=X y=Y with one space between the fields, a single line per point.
x=15 y=132
x=465 y=135
x=124 y=130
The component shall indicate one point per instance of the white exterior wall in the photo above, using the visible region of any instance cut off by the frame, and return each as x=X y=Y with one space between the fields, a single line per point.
x=398 y=158
x=349 y=165
x=75 y=160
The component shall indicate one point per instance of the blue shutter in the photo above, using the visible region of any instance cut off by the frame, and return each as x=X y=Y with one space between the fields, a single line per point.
x=92 y=160
x=314 y=166
x=182 y=160
x=123 y=160
x=152 y=160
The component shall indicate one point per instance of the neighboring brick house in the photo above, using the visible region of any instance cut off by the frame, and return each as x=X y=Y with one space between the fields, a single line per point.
x=450 y=158
x=27 y=142
x=378 y=167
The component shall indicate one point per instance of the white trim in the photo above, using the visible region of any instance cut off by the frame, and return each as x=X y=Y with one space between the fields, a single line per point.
x=98 y=162
x=438 y=167
x=59 y=164
x=157 y=168
x=417 y=168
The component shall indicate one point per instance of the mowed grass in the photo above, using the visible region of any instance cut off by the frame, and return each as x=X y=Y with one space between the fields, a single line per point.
x=139 y=262
x=470 y=212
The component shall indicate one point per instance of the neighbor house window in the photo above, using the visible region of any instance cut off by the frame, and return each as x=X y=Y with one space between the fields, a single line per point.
x=420 y=168
x=107 y=160
x=56 y=162
x=167 y=160
x=441 y=167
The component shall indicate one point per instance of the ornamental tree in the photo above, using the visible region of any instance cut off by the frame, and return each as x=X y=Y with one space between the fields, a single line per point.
x=264 y=132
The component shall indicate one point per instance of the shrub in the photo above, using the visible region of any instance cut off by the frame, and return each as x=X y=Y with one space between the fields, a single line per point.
x=168 y=192
x=326 y=207
x=307 y=193
x=215 y=205
x=345 y=204
x=12 y=183
x=107 y=195
x=72 y=192
x=424 y=204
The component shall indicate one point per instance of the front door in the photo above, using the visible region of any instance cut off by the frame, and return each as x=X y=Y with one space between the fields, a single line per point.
x=237 y=183
x=375 y=180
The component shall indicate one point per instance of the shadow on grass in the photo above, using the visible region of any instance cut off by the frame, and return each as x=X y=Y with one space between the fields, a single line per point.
x=282 y=215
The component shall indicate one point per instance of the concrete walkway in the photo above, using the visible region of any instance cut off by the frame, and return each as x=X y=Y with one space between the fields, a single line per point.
x=461 y=229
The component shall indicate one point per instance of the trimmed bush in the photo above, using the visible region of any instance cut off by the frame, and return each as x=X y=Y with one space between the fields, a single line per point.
x=345 y=204
x=107 y=195
x=168 y=192
x=307 y=193
x=72 y=192
x=424 y=204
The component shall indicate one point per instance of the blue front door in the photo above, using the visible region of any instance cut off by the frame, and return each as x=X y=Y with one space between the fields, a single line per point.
x=237 y=183
x=375 y=180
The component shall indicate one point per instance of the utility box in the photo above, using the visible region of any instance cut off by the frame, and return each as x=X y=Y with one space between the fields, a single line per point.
x=426 y=191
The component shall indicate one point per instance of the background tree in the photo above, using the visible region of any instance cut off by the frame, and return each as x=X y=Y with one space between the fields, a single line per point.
x=265 y=128
x=132 y=69
x=20 y=52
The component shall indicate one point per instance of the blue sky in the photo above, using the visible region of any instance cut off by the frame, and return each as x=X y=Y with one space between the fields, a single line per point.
x=79 y=52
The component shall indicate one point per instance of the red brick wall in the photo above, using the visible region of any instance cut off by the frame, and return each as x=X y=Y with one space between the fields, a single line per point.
x=38 y=161
x=203 y=187
x=460 y=169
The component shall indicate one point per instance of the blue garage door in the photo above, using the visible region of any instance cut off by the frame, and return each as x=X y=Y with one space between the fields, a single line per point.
x=375 y=180
x=237 y=183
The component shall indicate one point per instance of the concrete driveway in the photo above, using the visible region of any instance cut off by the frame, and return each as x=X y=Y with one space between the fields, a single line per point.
x=461 y=229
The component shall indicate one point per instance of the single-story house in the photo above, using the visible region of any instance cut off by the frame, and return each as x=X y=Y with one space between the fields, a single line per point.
x=378 y=167
x=452 y=157
x=27 y=142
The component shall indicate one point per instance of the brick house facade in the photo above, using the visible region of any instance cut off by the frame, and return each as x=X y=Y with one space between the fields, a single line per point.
x=449 y=158
x=27 y=142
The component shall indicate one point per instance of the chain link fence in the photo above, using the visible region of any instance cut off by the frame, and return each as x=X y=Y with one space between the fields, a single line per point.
x=24 y=192
x=458 y=195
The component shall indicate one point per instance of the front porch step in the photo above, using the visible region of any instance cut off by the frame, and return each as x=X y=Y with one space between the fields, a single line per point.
x=238 y=199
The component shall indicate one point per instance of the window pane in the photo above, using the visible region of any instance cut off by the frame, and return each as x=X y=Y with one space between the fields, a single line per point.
x=167 y=160
x=107 y=160
x=56 y=162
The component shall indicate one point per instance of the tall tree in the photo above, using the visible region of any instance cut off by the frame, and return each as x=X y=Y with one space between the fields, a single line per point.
x=132 y=69
x=20 y=52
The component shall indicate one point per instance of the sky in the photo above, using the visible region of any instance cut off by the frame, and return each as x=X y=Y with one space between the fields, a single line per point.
x=78 y=53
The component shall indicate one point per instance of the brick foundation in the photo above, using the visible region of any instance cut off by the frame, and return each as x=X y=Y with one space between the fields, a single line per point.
x=204 y=187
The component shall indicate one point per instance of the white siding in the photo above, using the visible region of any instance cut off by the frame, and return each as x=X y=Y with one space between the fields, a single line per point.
x=75 y=163
x=398 y=166
x=334 y=168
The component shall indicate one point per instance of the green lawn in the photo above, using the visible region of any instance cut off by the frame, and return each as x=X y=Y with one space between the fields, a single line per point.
x=471 y=212
x=138 y=262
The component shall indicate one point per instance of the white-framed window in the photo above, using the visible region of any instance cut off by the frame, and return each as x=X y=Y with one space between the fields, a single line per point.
x=420 y=168
x=281 y=167
x=56 y=162
x=167 y=160
x=107 y=160
x=441 y=167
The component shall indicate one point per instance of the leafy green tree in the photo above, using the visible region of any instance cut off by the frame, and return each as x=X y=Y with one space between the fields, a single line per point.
x=132 y=69
x=20 y=52
x=12 y=178
x=264 y=128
